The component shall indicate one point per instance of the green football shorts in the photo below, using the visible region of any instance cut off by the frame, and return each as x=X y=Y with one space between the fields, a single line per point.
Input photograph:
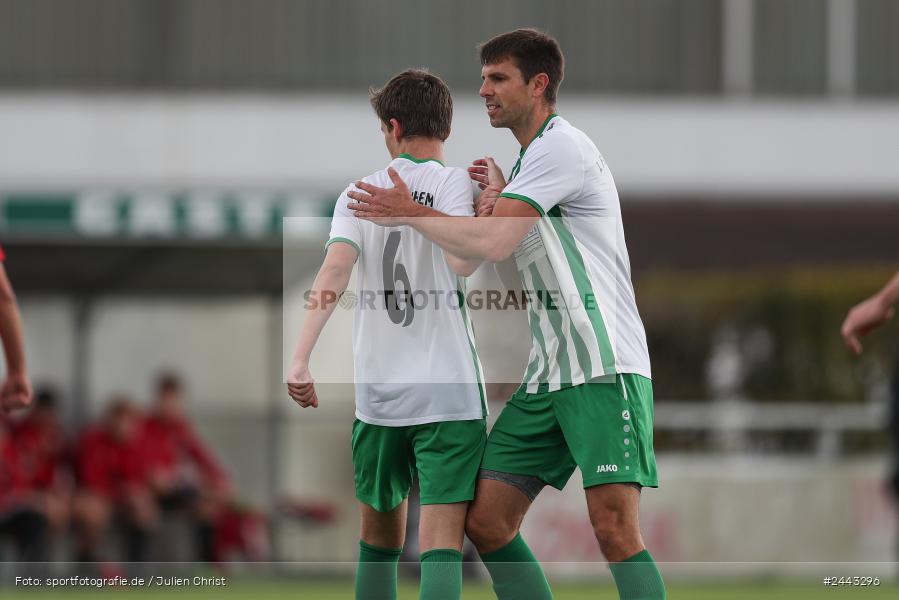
x=445 y=456
x=605 y=428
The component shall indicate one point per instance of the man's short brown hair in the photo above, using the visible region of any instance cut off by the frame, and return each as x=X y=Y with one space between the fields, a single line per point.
x=419 y=100
x=168 y=382
x=533 y=52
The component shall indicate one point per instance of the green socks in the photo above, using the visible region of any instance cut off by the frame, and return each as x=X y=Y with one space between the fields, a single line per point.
x=376 y=572
x=638 y=578
x=441 y=575
x=516 y=573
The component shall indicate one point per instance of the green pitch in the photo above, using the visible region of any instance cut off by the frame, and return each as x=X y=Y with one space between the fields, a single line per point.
x=282 y=590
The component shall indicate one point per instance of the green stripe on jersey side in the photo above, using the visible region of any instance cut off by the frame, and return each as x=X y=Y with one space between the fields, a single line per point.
x=555 y=319
x=536 y=206
x=536 y=335
x=580 y=348
x=584 y=288
x=532 y=365
x=344 y=240
x=582 y=355
x=474 y=353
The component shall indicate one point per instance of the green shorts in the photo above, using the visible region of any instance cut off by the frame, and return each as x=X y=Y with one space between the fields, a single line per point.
x=604 y=428
x=445 y=455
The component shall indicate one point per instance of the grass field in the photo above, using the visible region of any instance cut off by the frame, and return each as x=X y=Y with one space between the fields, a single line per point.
x=280 y=590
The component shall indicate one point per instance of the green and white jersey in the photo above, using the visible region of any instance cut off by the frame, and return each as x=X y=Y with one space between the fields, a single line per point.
x=574 y=264
x=413 y=344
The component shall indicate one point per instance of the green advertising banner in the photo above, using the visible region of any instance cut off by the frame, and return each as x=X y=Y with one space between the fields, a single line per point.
x=195 y=214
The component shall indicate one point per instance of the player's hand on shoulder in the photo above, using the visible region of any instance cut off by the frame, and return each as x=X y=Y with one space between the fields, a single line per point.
x=383 y=206
x=862 y=319
x=301 y=386
x=490 y=179
x=15 y=392
x=486 y=173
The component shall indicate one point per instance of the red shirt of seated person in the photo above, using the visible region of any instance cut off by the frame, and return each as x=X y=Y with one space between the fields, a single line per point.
x=110 y=461
x=13 y=482
x=177 y=458
x=40 y=443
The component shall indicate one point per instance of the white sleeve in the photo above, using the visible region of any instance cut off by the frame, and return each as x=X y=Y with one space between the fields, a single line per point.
x=551 y=172
x=456 y=196
x=345 y=227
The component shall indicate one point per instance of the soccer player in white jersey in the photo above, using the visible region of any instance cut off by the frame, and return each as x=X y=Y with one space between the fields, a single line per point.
x=420 y=408
x=586 y=397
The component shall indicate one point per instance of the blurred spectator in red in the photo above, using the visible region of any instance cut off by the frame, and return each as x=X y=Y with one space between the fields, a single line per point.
x=183 y=472
x=34 y=489
x=18 y=520
x=113 y=484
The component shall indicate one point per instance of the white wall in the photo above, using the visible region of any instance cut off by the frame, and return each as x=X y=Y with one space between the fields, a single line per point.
x=739 y=515
x=221 y=346
x=320 y=142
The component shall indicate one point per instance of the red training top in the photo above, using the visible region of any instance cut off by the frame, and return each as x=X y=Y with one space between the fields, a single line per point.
x=110 y=467
x=172 y=446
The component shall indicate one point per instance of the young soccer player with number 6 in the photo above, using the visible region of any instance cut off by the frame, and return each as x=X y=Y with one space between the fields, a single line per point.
x=420 y=408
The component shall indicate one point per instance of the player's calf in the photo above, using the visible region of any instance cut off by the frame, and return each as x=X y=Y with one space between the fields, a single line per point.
x=493 y=521
x=614 y=514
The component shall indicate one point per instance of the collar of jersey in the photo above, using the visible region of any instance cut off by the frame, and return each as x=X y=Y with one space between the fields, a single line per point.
x=420 y=160
x=539 y=132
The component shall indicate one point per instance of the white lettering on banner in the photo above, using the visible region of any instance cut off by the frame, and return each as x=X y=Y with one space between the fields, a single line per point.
x=254 y=211
x=205 y=215
x=152 y=213
x=96 y=213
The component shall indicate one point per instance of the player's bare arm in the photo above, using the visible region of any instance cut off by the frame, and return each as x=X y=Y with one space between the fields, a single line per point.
x=329 y=284
x=868 y=315
x=15 y=391
x=493 y=238
x=461 y=266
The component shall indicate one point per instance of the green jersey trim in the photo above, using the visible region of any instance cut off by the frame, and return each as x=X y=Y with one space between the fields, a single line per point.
x=420 y=160
x=536 y=206
x=584 y=287
x=540 y=131
x=345 y=241
x=517 y=166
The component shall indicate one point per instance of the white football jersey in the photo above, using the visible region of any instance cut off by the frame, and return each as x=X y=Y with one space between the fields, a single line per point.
x=413 y=344
x=574 y=264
